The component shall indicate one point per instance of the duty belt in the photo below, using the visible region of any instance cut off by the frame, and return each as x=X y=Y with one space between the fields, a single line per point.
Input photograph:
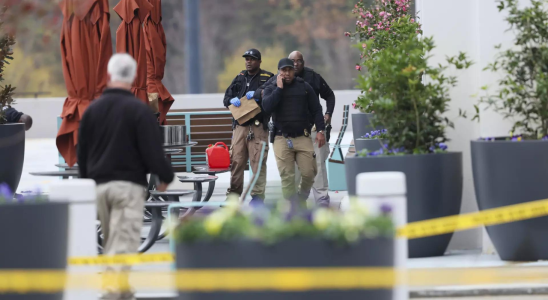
x=291 y=135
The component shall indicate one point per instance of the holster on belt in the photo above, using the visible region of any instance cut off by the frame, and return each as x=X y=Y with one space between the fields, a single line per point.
x=328 y=132
x=271 y=132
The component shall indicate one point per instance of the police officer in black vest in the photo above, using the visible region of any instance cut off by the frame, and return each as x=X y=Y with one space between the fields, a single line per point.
x=292 y=101
x=247 y=137
x=322 y=89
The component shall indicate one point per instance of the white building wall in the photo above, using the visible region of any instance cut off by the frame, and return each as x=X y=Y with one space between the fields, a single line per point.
x=45 y=111
x=474 y=27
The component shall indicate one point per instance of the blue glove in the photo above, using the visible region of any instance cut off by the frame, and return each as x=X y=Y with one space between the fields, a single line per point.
x=249 y=95
x=235 y=101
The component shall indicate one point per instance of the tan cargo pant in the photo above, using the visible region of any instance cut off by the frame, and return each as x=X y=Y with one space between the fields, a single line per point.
x=120 y=207
x=321 y=184
x=243 y=150
x=303 y=154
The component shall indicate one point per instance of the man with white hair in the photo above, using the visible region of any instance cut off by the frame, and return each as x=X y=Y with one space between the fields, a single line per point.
x=119 y=144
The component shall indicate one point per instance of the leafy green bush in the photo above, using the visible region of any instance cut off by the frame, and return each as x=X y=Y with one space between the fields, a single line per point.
x=385 y=24
x=523 y=91
x=6 y=43
x=410 y=97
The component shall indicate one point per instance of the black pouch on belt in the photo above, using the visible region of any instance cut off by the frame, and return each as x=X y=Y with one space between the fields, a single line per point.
x=328 y=133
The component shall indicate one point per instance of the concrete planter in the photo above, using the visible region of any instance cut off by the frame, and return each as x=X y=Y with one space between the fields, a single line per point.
x=369 y=144
x=434 y=190
x=507 y=173
x=34 y=236
x=301 y=253
x=12 y=154
x=361 y=124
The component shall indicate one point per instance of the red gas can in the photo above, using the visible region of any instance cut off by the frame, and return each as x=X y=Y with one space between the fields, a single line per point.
x=218 y=156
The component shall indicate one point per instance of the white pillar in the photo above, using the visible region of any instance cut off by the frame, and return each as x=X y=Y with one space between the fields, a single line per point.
x=81 y=195
x=390 y=188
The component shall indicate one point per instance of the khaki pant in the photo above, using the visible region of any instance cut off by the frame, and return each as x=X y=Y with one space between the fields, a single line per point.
x=303 y=154
x=321 y=184
x=120 y=207
x=243 y=150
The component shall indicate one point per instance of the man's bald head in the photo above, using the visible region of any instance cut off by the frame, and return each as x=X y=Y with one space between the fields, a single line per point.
x=298 y=61
x=27 y=120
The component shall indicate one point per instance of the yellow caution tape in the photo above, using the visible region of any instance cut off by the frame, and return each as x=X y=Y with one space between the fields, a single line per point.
x=125 y=259
x=279 y=279
x=487 y=217
x=413 y=230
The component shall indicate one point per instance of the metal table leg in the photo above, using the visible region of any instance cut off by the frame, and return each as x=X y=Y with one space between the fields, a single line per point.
x=210 y=189
x=198 y=195
x=155 y=226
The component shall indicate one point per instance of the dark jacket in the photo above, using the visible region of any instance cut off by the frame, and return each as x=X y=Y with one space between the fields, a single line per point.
x=238 y=88
x=119 y=140
x=321 y=88
x=293 y=104
x=12 y=115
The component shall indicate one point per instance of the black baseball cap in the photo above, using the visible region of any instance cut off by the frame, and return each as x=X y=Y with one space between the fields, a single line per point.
x=285 y=62
x=252 y=53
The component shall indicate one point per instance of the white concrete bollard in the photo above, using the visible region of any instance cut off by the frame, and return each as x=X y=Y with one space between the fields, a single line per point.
x=389 y=188
x=81 y=195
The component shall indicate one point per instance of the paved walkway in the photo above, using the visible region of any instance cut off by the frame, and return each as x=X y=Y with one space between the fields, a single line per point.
x=42 y=155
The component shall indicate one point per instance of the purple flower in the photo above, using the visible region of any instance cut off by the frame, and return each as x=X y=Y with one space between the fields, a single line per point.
x=384 y=131
x=432 y=148
x=258 y=221
x=5 y=191
x=545 y=138
x=308 y=216
x=386 y=208
x=442 y=146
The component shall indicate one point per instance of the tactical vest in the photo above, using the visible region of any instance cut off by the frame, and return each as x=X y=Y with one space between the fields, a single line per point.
x=291 y=115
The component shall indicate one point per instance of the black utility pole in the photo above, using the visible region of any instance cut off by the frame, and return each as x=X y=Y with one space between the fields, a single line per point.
x=193 y=59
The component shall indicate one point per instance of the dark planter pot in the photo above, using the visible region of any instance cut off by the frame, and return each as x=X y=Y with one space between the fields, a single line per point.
x=507 y=173
x=34 y=236
x=369 y=144
x=361 y=124
x=434 y=190
x=303 y=253
x=12 y=154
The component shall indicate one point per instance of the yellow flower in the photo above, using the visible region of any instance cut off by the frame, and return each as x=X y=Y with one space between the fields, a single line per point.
x=321 y=218
x=213 y=226
x=214 y=222
x=358 y=206
x=352 y=221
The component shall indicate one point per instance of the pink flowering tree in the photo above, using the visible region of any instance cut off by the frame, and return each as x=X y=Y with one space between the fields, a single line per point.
x=385 y=24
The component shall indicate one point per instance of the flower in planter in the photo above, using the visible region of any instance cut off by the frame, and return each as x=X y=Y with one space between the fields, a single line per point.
x=274 y=225
x=440 y=147
x=381 y=25
x=7 y=196
x=410 y=97
x=5 y=192
x=376 y=134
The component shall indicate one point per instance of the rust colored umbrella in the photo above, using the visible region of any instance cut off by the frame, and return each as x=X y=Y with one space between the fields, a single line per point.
x=130 y=39
x=159 y=97
x=86 y=47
